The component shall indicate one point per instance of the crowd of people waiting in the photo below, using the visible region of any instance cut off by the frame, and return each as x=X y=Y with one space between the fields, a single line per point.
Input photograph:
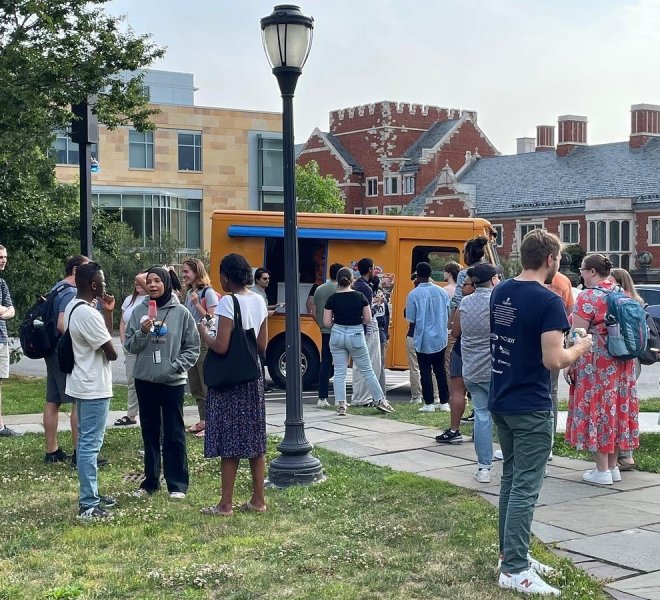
x=502 y=345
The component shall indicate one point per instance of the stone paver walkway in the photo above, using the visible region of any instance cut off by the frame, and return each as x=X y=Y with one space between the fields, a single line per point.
x=613 y=533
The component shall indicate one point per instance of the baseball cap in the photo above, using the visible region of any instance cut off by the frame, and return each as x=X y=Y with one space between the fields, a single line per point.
x=481 y=273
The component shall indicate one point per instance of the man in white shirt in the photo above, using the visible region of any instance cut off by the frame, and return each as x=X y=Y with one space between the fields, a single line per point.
x=90 y=382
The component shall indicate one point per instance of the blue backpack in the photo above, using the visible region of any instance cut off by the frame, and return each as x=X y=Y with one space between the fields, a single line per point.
x=627 y=332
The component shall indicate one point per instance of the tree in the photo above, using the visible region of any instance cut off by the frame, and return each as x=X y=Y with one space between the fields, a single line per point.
x=317 y=193
x=53 y=55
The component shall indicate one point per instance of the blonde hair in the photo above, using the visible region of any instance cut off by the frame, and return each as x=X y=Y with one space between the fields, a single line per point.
x=623 y=278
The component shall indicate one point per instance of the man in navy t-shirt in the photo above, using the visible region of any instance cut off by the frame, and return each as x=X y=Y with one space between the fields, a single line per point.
x=527 y=323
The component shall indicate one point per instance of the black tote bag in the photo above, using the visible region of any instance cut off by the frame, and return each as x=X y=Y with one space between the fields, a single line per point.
x=240 y=364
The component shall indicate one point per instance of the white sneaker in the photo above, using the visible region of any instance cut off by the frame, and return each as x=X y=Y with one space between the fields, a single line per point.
x=177 y=495
x=427 y=408
x=416 y=400
x=322 y=403
x=534 y=564
x=444 y=407
x=598 y=477
x=527 y=582
x=497 y=455
x=616 y=474
x=482 y=475
x=550 y=457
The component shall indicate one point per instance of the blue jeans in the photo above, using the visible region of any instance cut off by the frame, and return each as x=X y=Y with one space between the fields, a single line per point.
x=348 y=340
x=92 y=415
x=483 y=423
x=526 y=440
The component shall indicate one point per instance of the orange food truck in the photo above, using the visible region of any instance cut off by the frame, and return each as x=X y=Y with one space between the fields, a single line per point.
x=395 y=243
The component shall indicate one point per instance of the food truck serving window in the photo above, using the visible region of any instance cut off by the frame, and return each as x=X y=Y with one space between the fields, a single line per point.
x=308 y=233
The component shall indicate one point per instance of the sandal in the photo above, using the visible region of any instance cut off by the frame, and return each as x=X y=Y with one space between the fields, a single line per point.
x=249 y=507
x=125 y=420
x=215 y=511
x=196 y=428
x=201 y=434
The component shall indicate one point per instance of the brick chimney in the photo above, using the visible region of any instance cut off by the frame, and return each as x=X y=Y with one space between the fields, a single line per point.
x=572 y=133
x=545 y=138
x=644 y=123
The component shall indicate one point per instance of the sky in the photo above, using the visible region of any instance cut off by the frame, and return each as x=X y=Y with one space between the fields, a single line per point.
x=518 y=63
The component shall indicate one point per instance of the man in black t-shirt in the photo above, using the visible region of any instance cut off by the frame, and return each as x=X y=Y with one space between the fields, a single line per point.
x=527 y=322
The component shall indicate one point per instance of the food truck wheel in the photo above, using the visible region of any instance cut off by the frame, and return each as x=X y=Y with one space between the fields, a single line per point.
x=309 y=363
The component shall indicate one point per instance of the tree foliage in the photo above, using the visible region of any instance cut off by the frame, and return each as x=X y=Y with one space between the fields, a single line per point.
x=54 y=54
x=317 y=193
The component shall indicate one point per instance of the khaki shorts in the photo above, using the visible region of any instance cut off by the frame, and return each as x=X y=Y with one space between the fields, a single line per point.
x=4 y=361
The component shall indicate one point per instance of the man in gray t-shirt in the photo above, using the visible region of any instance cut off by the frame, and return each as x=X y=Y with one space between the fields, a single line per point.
x=474 y=312
x=321 y=295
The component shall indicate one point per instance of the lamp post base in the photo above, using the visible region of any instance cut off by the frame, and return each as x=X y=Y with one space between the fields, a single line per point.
x=295 y=469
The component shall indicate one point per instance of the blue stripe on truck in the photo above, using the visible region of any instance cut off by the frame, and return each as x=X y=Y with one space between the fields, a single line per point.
x=326 y=234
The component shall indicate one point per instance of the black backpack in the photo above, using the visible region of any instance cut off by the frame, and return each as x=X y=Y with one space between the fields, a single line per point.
x=38 y=330
x=648 y=357
x=65 y=357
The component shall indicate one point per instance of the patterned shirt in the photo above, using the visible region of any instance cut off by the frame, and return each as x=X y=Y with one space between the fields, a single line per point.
x=474 y=311
x=5 y=300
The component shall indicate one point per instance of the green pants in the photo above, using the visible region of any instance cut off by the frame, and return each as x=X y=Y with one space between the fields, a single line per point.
x=526 y=441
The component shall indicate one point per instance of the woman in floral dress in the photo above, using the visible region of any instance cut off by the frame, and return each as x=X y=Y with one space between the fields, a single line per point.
x=603 y=405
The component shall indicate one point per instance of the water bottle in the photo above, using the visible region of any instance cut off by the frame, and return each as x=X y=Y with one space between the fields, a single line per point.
x=210 y=325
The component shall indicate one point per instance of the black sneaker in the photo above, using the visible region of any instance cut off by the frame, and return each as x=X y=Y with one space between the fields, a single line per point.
x=54 y=457
x=100 y=461
x=468 y=419
x=449 y=437
x=107 y=501
x=94 y=512
x=6 y=432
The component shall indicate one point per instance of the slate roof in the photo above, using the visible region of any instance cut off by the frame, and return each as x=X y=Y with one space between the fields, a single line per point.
x=429 y=139
x=345 y=154
x=416 y=206
x=527 y=182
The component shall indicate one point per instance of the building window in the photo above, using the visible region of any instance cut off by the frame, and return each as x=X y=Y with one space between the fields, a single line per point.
x=271 y=174
x=190 y=150
x=569 y=232
x=357 y=211
x=372 y=210
x=408 y=184
x=146 y=92
x=372 y=186
x=499 y=230
x=654 y=229
x=612 y=238
x=152 y=215
x=66 y=152
x=392 y=210
x=140 y=150
x=391 y=185
x=525 y=228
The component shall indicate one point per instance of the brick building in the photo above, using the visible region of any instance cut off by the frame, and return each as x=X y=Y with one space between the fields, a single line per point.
x=386 y=154
x=606 y=197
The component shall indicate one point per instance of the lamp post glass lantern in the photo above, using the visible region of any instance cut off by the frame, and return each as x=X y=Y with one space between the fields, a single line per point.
x=287 y=39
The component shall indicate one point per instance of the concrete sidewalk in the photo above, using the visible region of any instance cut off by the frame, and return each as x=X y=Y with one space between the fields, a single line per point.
x=613 y=533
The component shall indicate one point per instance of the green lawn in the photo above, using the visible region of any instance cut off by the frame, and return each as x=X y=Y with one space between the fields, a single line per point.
x=646 y=405
x=26 y=395
x=365 y=533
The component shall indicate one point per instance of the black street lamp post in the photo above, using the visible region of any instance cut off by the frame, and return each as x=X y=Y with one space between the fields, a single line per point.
x=85 y=132
x=287 y=38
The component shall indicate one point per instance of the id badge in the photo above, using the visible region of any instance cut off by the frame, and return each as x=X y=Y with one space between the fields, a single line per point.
x=157 y=358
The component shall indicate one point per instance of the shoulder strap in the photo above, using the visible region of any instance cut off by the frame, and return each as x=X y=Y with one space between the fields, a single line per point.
x=59 y=288
x=71 y=313
x=237 y=311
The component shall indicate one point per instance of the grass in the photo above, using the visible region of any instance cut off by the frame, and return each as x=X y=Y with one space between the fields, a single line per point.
x=26 y=395
x=365 y=533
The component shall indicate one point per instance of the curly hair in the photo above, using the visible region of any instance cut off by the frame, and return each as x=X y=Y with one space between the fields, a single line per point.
x=474 y=250
x=237 y=269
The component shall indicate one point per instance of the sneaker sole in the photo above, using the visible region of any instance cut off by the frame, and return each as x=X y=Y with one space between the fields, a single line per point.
x=449 y=441
x=385 y=410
